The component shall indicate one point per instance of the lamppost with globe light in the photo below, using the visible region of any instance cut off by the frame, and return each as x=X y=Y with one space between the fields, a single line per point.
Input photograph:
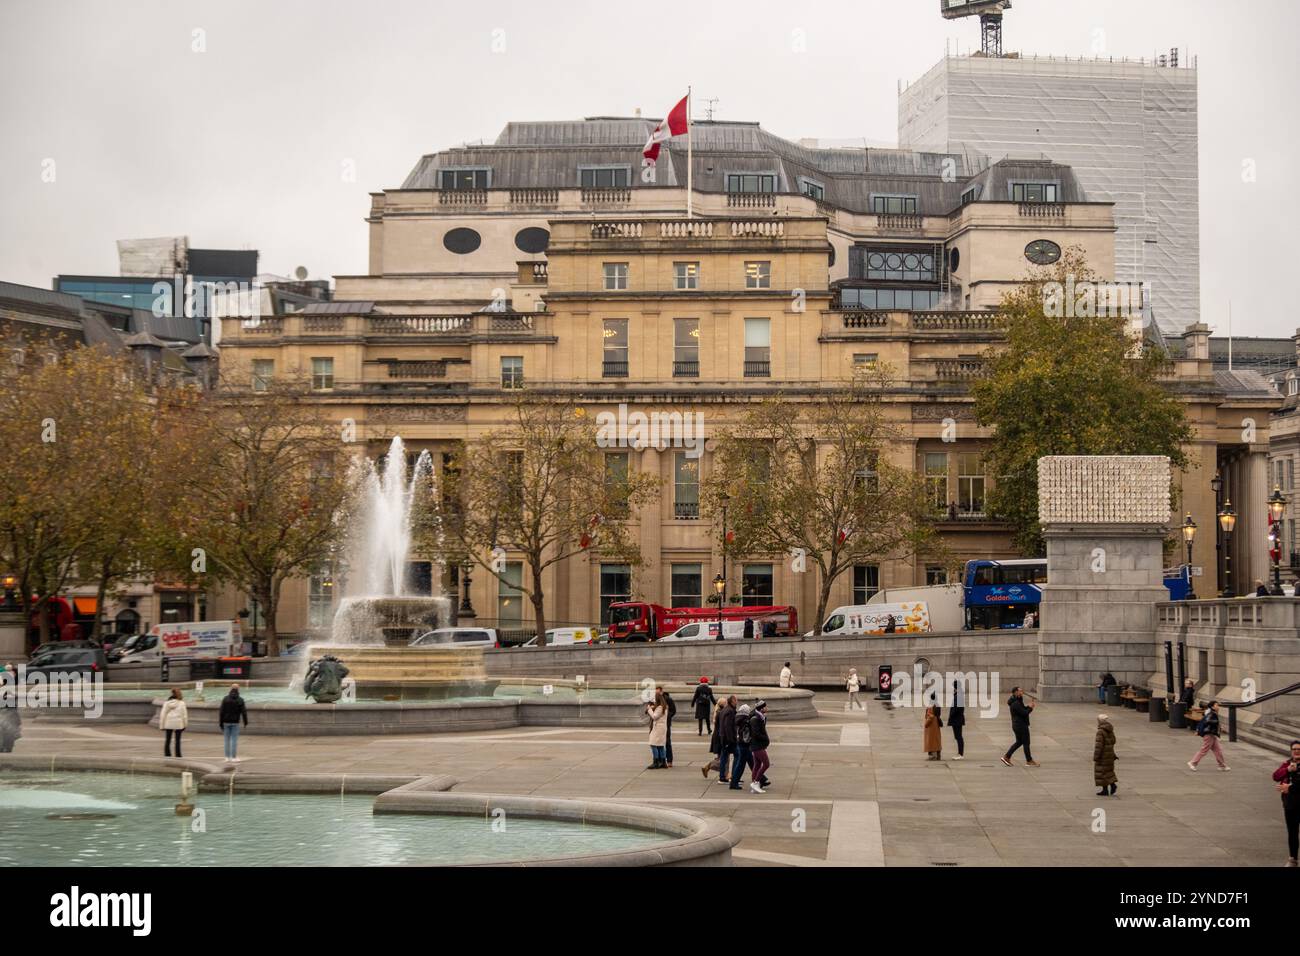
x=719 y=588
x=1189 y=534
x=1227 y=521
x=1276 y=508
x=9 y=582
x=1216 y=485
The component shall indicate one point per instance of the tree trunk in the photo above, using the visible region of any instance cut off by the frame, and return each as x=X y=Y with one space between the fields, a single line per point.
x=97 y=629
x=42 y=609
x=823 y=599
x=539 y=611
x=267 y=599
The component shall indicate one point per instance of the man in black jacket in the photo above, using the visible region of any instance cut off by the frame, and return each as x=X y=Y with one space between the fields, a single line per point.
x=726 y=737
x=231 y=713
x=1019 y=726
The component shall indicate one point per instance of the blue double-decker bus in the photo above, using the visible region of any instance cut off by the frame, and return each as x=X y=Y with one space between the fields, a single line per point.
x=998 y=594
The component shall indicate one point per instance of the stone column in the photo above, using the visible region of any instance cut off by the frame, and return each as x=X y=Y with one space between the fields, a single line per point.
x=1104 y=518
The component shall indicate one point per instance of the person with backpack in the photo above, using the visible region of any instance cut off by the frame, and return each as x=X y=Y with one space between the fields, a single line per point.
x=1208 y=728
x=1287 y=778
x=1019 y=726
x=758 y=744
x=957 y=718
x=1103 y=758
x=232 y=712
x=853 y=685
x=727 y=739
x=703 y=703
x=744 y=739
x=715 y=741
x=932 y=734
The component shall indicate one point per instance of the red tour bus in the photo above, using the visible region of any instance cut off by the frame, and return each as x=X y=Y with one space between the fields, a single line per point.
x=638 y=621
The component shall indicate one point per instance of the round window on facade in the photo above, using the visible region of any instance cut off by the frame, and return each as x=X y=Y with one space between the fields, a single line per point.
x=954 y=260
x=533 y=240
x=1042 y=252
x=462 y=241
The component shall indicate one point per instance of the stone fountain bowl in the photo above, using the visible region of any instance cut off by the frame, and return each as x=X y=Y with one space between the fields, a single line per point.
x=388 y=621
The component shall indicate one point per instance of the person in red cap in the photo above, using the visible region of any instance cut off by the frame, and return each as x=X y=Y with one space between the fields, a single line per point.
x=703 y=703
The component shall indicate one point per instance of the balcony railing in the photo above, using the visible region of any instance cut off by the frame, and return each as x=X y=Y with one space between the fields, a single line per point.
x=613 y=369
x=267 y=326
x=750 y=200
x=534 y=197
x=540 y=273
x=686 y=510
x=959 y=369
x=463 y=197
x=909 y=222
x=686 y=369
x=1043 y=210
x=606 y=197
x=322 y=323
x=417 y=324
x=513 y=322
x=616 y=230
x=686 y=229
x=861 y=319
x=762 y=227
x=955 y=321
x=758 y=369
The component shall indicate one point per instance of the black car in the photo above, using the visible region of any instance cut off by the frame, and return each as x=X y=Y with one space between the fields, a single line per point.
x=68 y=660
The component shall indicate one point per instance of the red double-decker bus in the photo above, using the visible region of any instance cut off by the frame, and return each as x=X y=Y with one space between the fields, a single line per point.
x=639 y=621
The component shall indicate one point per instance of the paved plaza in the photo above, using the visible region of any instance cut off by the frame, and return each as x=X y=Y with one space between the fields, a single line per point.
x=849 y=788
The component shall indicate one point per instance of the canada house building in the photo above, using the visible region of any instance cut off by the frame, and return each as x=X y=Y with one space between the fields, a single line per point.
x=544 y=261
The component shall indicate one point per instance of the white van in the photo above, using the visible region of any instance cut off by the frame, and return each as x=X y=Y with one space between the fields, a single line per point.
x=458 y=637
x=567 y=636
x=944 y=602
x=911 y=617
x=707 y=631
x=183 y=641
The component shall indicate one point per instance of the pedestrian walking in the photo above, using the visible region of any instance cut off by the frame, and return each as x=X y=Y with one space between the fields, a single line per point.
x=11 y=723
x=1103 y=758
x=957 y=718
x=932 y=734
x=787 y=676
x=1019 y=726
x=1208 y=728
x=727 y=739
x=758 y=744
x=229 y=717
x=173 y=719
x=668 y=737
x=748 y=633
x=1288 y=784
x=1106 y=681
x=744 y=740
x=703 y=703
x=853 y=685
x=657 y=711
x=715 y=740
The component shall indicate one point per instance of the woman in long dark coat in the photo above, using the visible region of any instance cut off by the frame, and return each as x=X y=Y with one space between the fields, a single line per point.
x=703 y=704
x=1103 y=758
x=715 y=741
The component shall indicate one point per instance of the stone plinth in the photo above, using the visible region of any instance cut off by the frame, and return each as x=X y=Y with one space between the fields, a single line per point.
x=1105 y=519
x=409 y=672
x=13 y=637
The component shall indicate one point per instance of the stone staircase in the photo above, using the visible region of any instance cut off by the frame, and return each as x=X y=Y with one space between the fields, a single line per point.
x=1274 y=734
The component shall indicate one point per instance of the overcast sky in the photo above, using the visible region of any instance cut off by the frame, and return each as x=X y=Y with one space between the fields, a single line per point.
x=246 y=141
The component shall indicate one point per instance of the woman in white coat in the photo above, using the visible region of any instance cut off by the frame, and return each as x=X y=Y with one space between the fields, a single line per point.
x=173 y=720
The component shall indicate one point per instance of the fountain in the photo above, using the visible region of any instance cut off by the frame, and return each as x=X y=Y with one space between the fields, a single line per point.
x=377 y=619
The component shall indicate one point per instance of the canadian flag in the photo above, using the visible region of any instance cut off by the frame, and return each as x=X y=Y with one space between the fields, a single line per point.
x=675 y=125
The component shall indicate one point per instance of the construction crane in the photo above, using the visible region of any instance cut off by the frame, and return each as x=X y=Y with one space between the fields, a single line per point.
x=990 y=14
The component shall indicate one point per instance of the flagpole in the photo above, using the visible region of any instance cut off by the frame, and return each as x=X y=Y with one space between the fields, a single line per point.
x=689 y=163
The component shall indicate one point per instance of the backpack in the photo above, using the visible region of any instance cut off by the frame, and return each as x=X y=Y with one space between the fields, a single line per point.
x=1202 y=726
x=743 y=734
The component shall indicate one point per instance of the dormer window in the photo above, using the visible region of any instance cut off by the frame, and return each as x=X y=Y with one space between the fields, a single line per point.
x=1034 y=192
x=1292 y=385
x=751 y=183
x=605 y=177
x=812 y=189
x=883 y=205
x=475 y=177
x=970 y=195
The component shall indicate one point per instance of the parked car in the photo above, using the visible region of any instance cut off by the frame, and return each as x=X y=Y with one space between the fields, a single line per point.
x=567 y=636
x=459 y=636
x=706 y=631
x=65 y=645
x=69 y=660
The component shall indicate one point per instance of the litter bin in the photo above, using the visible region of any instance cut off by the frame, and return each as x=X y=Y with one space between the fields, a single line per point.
x=203 y=669
x=1178 y=715
x=1112 y=695
x=1157 y=710
x=236 y=668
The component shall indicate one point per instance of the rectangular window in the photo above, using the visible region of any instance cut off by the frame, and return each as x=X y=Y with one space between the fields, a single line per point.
x=616 y=472
x=758 y=275
x=1290 y=473
x=1033 y=192
x=320 y=598
x=936 y=479
x=465 y=178
x=751 y=183
x=756 y=585
x=934 y=574
x=813 y=190
x=686 y=275
x=615 y=586
x=893 y=205
x=322 y=373
x=969 y=195
x=510 y=599
x=686 y=487
x=512 y=480
x=604 y=177
x=263 y=372
x=686 y=348
x=512 y=371
x=970 y=484
x=868 y=475
x=614 y=332
x=1277 y=473
x=758 y=348
x=615 y=276
x=865 y=361
x=866 y=582
x=687 y=585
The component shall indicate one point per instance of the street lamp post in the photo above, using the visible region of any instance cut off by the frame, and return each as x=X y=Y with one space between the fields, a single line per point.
x=466 y=608
x=719 y=588
x=1276 y=508
x=9 y=582
x=1216 y=484
x=1189 y=534
x=1227 y=521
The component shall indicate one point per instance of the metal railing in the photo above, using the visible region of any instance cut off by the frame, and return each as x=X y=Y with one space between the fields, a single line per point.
x=758 y=369
x=686 y=369
x=613 y=369
x=1232 y=706
x=686 y=510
